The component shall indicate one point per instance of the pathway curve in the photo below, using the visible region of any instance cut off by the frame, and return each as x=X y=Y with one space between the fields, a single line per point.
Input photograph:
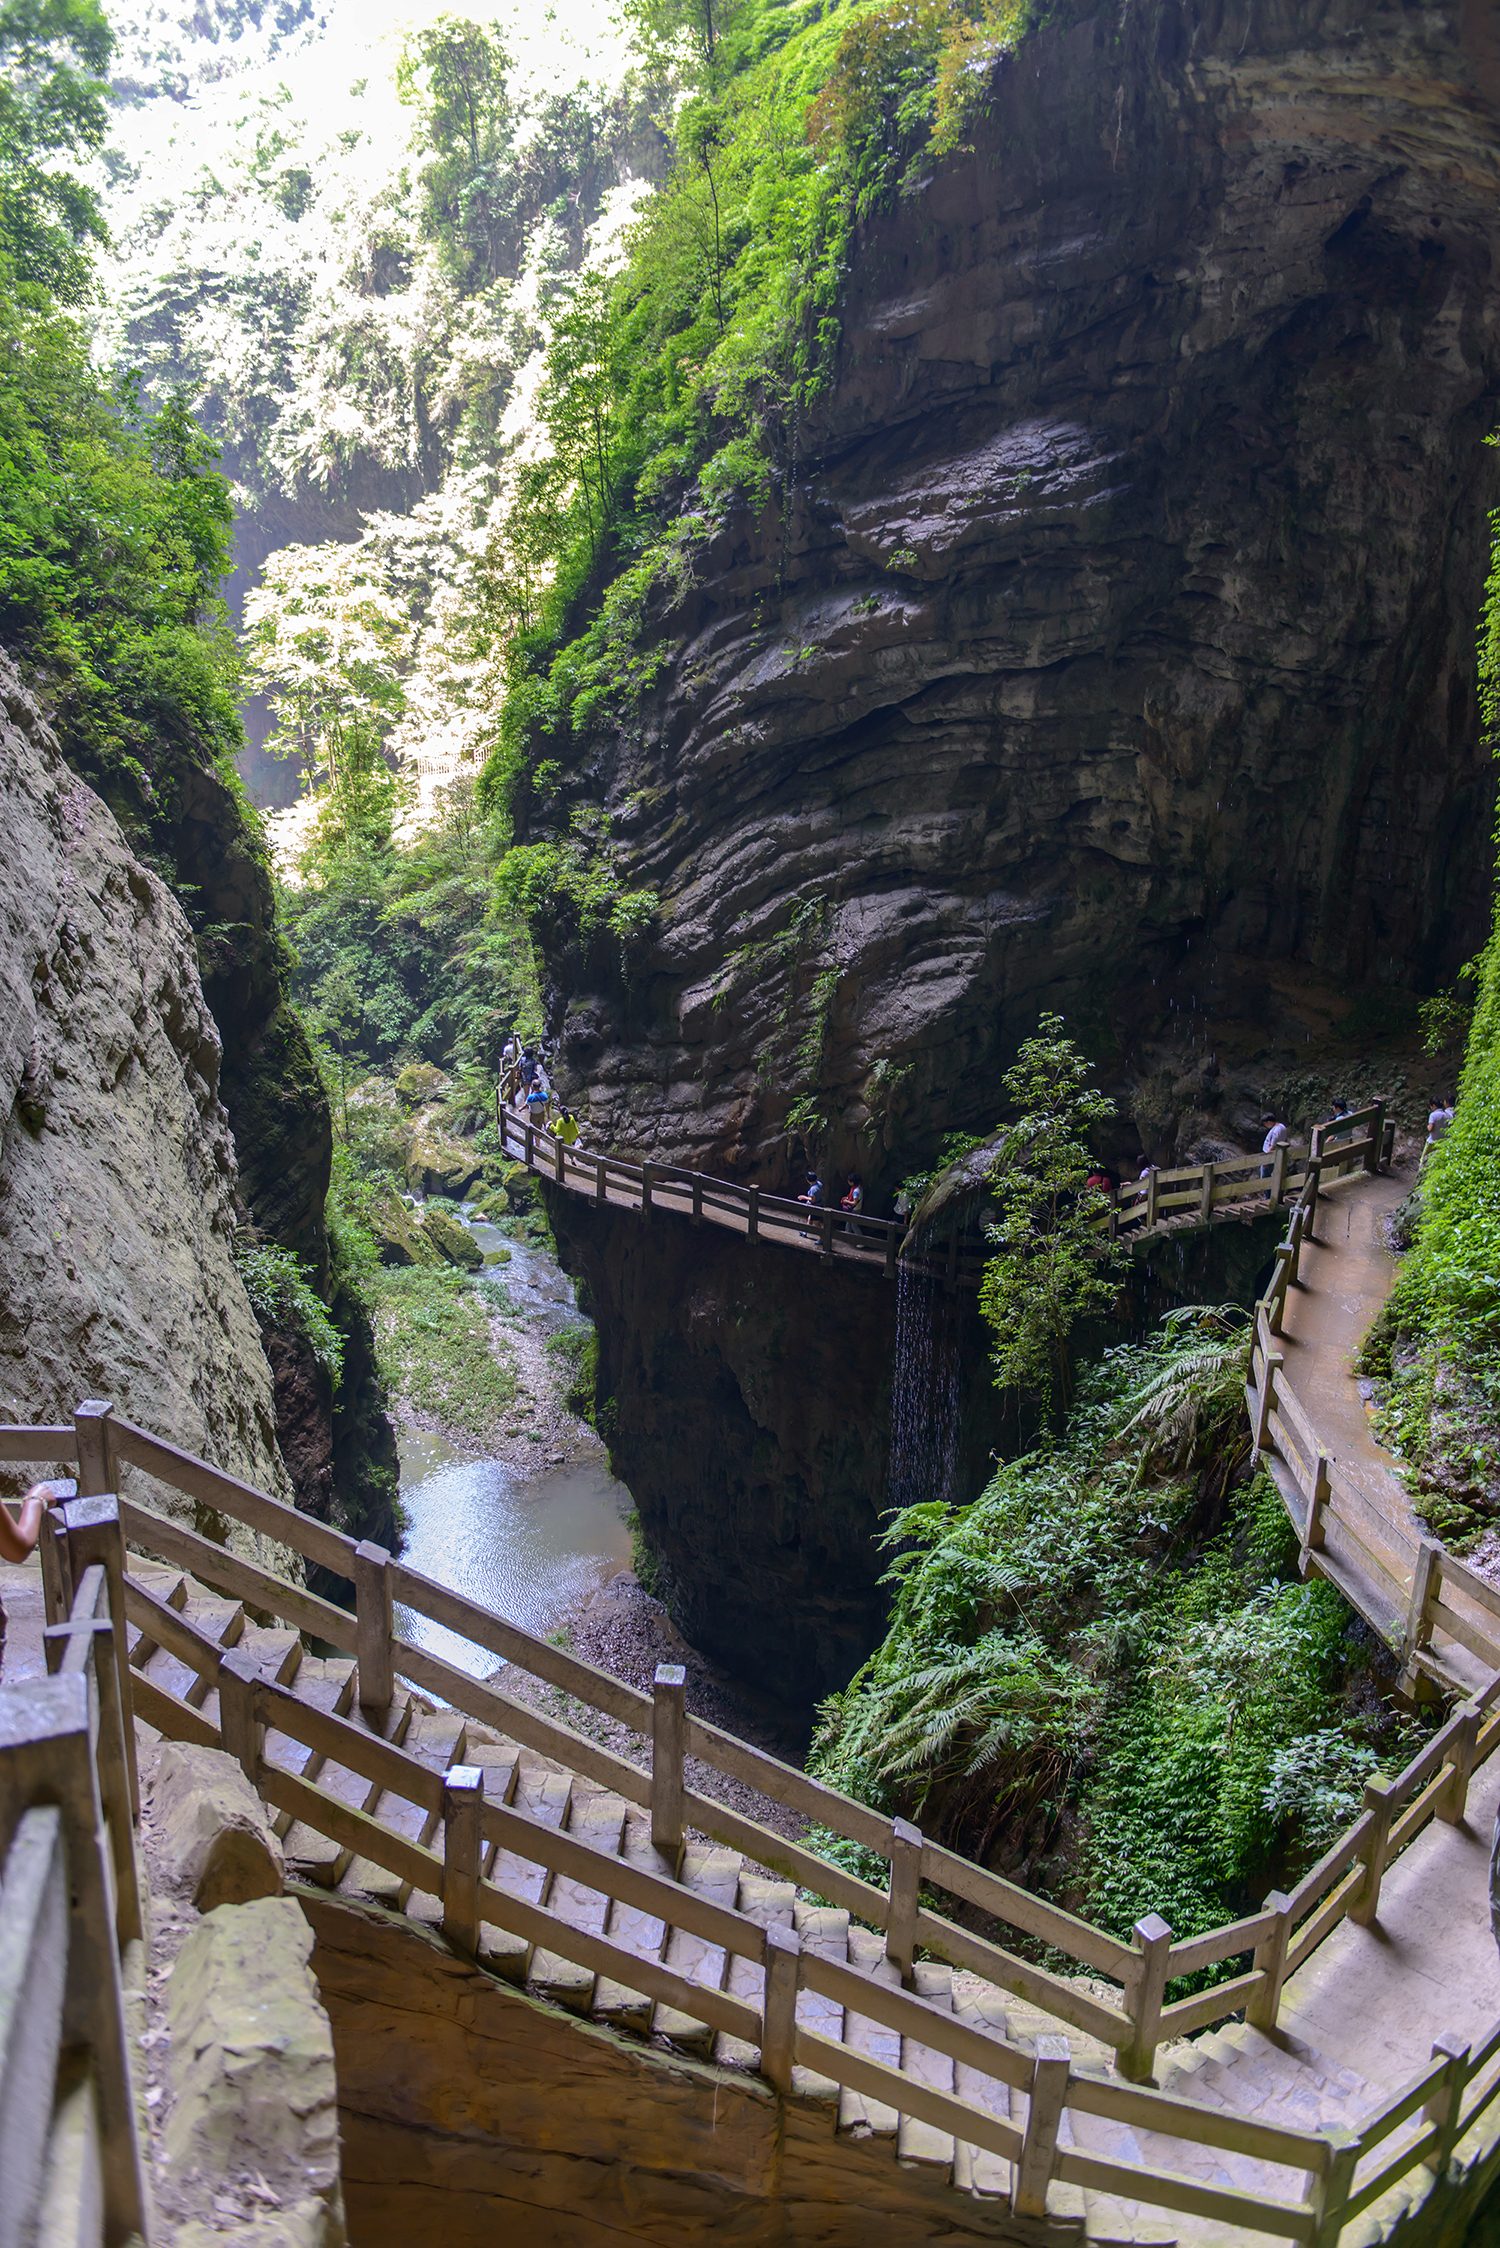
x=1345 y=1277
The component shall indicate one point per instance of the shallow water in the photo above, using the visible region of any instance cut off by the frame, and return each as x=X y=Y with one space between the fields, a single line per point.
x=526 y=1543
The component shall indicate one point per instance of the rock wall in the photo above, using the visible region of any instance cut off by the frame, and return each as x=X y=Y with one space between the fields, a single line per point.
x=1115 y=641
x=470 y=2112
x=118 y=1181
x=1110 y=649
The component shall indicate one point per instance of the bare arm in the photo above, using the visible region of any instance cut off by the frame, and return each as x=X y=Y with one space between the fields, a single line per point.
x=18 y=1539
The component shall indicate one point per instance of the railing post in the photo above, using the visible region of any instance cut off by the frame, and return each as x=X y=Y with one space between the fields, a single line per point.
x=1278 y=1175
x=752 y=1213
x=1274 y=1361
x=1151 y=1199
x=373 y=1623
x=1143 y=2001
x=1313 y=1182
x=1330 y=2192
x=87 y=1640
x=1388 y=1143
x=1206 y=1198
x=529 y=1143
x=601 y=1181
x=668 y=1746
x=1294 y=1240
x=1365 y=1910
x=778 y=2027
x=1049 y=2092
x=1376 y=1136
x=559 y=1158
x=57 y=1572
x=906 y=1883
x=93 y=1533
x=96 y=1447
x=1312 y=1528
x=463 y=1815
x=1453 y=1802
x=239 y=1727
x=825 y=1231
x=1445 y=2107
x=1277 y=1289
x=645 y=1190
x=697 y=1198
x=1270 y=1961
x=49 y=1759
x=1426 y=1578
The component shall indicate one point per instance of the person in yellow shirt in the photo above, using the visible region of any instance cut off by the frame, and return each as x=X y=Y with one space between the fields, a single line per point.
x=567 y=1127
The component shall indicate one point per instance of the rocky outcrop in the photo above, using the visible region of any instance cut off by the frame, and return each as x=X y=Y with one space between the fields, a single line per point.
x=117 y=1167
x=1110 y=649
x=1114 y=651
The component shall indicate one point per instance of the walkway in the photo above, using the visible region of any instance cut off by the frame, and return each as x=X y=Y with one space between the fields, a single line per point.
x=583 y=1878
x=1186 y=1200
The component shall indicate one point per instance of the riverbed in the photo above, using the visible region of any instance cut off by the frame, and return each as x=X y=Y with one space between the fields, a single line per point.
x=532 y=1531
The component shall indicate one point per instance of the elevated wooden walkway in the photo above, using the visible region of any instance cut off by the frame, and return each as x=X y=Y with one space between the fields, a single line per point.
x=627 y=1896
x=1164 y=1202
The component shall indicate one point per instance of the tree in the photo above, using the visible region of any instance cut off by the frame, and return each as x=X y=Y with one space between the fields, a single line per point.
x=1052 y=1265
x=453 y=74
x=579 y=395
x=52 y=103
x=701 y=137
x=674 y=33
x=328 y=643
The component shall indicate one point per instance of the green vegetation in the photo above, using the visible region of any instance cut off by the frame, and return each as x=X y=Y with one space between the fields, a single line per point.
x=673 y=392
x=434 y=1335
x=282 y=1296
x=1105 y=1674
x=114 y=523
x=1434 y=1348
x=1050 y=1266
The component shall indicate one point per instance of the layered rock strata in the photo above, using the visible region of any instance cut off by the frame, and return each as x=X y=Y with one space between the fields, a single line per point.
x=1109 y=650
x=118 y=1182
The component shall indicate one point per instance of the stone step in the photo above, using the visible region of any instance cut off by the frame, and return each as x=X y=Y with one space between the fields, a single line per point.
x=919 y=2145
x=598 y=1821
x=541 y=1791
x=714 y=1874
x=824 y=1931
x=861 y=2117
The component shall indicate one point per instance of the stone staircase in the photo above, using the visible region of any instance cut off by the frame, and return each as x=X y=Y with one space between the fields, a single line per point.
x=1232 y=2068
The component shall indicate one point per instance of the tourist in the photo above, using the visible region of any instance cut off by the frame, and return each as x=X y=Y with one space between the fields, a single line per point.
x=853 y=1201
x=1439 y=1118
x=1277 y=1136
x=567 y=1127
x=813 y=1195
x=18 y=1538
x=538 y=1094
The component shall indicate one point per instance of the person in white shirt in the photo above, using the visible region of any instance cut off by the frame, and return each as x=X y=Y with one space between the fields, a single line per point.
x=1438 y=1121
x=1277 y=1136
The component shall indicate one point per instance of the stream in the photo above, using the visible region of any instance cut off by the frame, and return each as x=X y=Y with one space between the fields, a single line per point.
x=524 y=1540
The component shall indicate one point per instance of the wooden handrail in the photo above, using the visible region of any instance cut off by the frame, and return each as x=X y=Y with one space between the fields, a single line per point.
x=254 y=1709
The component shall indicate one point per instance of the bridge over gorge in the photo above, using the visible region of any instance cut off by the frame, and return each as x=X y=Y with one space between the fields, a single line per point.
x=1163 y=1202
x=1342 y=2084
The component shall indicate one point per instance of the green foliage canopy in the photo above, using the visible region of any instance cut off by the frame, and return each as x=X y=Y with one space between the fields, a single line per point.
x=53 y=54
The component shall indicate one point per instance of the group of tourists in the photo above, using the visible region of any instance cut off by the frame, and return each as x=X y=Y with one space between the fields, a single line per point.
x=526 y=1087
x=851 y=1202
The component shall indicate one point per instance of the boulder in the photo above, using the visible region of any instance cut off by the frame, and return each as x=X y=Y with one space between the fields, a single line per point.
x=398 y=1236
x=252 y=2066
x=419 y=1083
x=452 y=1241
x=437 y=1163
x=211 y=1829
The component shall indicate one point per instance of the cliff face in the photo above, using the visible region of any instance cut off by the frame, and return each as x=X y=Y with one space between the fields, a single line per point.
x=1117 y=642
x=1113 y=652
x=117 y=1169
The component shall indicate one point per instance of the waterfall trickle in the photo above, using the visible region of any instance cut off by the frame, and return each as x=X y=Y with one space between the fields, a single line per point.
x=926 y=1396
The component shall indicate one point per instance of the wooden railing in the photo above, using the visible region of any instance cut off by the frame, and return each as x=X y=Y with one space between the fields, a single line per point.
x=1247 y=1186
x=256 y=1712
x=1195 y=1195
x=70 y=2159
x=1424 y=1602
x=649 y=1188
